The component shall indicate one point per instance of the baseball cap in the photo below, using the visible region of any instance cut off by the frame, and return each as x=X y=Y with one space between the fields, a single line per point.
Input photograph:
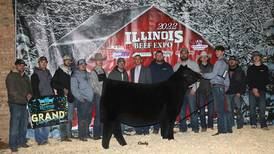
x=220 y=47
x=233 y=58
x=20 y=61
x=43 y=58
x=256 y=53
x=81 y=61
x=67 y=57
x=120 y=60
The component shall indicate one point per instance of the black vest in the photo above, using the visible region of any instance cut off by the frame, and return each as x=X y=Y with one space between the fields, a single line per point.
x=102 y=76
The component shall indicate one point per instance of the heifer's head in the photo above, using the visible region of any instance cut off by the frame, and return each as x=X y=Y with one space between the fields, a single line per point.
x=186 y=74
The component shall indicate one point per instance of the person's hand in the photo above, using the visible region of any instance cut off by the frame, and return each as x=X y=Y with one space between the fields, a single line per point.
x=82 y=100
x=55 y=91
x=238 y=94
x=255 y=92
x=29 y=96
x=192 y=92
x=65 y=91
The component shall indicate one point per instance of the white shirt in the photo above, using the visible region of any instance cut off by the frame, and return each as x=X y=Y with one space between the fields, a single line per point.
x=122 y=74
x=137 y=71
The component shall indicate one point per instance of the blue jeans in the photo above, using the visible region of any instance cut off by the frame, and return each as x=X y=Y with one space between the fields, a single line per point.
x=206 y=100
x=261 y=102
x=236 y=103
x=41 y=134
x=156 y=127
x=65 y=128
x=191 y=100
x=18 y=125
x=97 y=127
x=83 y=113
x=142 y=130
x=223 y=112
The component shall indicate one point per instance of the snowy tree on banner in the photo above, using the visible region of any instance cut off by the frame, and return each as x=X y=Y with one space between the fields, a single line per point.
x=236 y=24
x=25 y=48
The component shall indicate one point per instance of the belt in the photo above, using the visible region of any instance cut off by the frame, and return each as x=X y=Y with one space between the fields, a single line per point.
x=217 y=85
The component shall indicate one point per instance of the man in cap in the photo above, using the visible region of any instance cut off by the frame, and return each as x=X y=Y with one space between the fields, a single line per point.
x=236 y=88
x=83 y=94
x=98 y=75
x=204 y=93
x=220 y=82
x=257 y=79
x=41 y=86
x=19 y=93
x=190 y=96
x=61 y=85
x=119 y=73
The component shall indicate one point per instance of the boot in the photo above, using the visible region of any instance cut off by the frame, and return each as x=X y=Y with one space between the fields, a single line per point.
x=69 y=133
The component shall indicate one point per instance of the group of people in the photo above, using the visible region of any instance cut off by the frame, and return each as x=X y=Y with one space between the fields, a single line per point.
x=218 y=92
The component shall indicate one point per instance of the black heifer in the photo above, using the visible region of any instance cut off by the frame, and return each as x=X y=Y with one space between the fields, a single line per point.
x=143 y=104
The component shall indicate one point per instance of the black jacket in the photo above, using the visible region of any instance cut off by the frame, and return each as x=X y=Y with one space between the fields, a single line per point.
x=257 y=77
x=205 y=85
x=61 y=80
x=237 y=81
x=18 y=87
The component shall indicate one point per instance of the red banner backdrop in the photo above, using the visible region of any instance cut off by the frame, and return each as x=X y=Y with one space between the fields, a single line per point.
x=151 y=31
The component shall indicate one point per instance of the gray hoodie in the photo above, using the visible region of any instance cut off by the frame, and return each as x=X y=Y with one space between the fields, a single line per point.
x=40 y=82
x=80 y=86
x=219 y=75
x=95 y=83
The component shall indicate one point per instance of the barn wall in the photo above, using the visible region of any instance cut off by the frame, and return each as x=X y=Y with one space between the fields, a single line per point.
x=7 y=55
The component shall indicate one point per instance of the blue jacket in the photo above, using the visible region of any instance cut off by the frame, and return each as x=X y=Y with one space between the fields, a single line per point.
x=81 y=86
x=219 y=75
x=160 y=72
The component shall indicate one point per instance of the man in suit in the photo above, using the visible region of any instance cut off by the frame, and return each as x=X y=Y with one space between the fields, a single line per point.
x=140 y=74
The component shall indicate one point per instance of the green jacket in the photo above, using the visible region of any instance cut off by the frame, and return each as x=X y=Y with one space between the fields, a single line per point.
x=18 y=87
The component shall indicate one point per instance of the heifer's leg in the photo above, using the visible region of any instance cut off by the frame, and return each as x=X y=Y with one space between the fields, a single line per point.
x=118 y=134
x=107 y=132
x=171 y=117
x=164 y=128
x=170 y=130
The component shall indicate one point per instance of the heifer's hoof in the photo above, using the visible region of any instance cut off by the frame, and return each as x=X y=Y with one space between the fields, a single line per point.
x=170 y=137
x=105 y=146
x=123 y=144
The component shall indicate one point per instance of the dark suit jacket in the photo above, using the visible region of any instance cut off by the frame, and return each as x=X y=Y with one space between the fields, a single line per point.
x=145 y=75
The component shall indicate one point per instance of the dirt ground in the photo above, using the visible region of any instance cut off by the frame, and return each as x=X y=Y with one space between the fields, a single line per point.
x=246 y=140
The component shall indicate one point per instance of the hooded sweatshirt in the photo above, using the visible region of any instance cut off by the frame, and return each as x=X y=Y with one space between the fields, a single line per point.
x=116 y=74
x=81 y=87
x=40 y=82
